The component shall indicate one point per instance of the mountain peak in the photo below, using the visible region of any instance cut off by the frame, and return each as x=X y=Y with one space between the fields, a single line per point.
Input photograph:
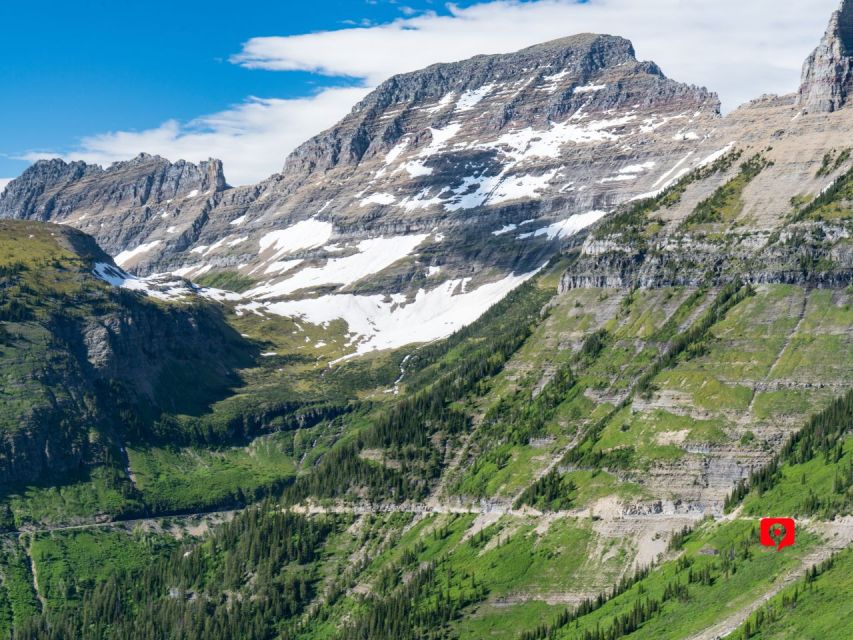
x=532 y=87
x=827 y=81
x=49 y=189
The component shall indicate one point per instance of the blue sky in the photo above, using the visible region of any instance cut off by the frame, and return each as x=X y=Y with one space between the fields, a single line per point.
x=247 y=81
x=73 y=69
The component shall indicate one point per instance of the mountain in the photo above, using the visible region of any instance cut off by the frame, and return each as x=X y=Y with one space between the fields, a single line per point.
x=115 y=204
x=444 y=188
x=588 y=458
x=87 y=363
x=447 y=187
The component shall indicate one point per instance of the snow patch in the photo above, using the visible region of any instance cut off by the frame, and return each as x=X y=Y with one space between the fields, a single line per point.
x=392 y=155
x=184 y=272
x=441 y=104
x=160 y=286
x=497 y=189
x=383 y=323
x=567 y=227
x=531 y=143
x=378 y=198
x=236 y=241
x=440 y=138
x=507 y=228
x=471 y=99
x=590 y=88
x=716 y=155
x=126 y=256
x=307 y=234
x=417 y=169
x=283 y=266
x=237 y=221
x=374 y=255
x=631 y=172
x=423 y=200
x=552 y=81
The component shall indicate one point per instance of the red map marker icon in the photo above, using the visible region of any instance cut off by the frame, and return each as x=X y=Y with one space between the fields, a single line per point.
x=778 y=532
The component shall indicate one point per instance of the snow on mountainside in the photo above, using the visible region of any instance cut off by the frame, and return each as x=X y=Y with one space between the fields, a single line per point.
x=440 y=192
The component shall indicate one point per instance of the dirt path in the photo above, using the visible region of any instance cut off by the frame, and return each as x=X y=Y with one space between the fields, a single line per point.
x=839 y=535
x=226 y=514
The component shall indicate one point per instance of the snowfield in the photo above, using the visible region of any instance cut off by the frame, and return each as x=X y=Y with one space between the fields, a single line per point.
x=373 y=256
x=162 y=287
x=383 y=322
x=567 y=227
x=374 y=322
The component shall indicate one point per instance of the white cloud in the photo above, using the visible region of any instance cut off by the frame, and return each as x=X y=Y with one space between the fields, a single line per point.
x=251 y=139
x=738 y=48
x=4 y=182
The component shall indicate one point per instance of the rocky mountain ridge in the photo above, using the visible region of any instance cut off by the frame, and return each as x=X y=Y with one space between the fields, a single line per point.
x=447 y=187
x=112 y=204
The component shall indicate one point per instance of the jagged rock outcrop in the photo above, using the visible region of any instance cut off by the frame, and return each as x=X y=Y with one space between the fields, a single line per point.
x=118 y=204
x=827 y=82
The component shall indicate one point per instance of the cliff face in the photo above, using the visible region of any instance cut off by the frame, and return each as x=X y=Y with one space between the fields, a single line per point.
x=87 y=364
x=828 y=72
x=776 y=208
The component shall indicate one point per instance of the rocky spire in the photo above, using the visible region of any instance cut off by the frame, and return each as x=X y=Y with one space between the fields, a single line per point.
x=827 y=82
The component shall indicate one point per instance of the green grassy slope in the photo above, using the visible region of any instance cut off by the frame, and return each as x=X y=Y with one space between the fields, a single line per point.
x=114 y=404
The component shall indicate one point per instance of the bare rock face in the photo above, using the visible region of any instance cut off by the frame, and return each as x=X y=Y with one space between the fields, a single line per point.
x=488 y=95
x=116 y=205
x=828 y=73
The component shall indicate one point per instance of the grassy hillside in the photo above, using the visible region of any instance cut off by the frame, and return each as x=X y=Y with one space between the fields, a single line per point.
x=584 y=465
x=115 y=403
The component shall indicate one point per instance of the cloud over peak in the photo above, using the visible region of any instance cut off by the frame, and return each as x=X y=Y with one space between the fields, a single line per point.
x=252 y=139
x=738 y=49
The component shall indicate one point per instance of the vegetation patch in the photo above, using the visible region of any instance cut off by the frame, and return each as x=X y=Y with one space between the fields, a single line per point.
x=726 y=203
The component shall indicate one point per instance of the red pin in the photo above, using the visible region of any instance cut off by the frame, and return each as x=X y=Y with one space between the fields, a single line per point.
x=778 y=532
